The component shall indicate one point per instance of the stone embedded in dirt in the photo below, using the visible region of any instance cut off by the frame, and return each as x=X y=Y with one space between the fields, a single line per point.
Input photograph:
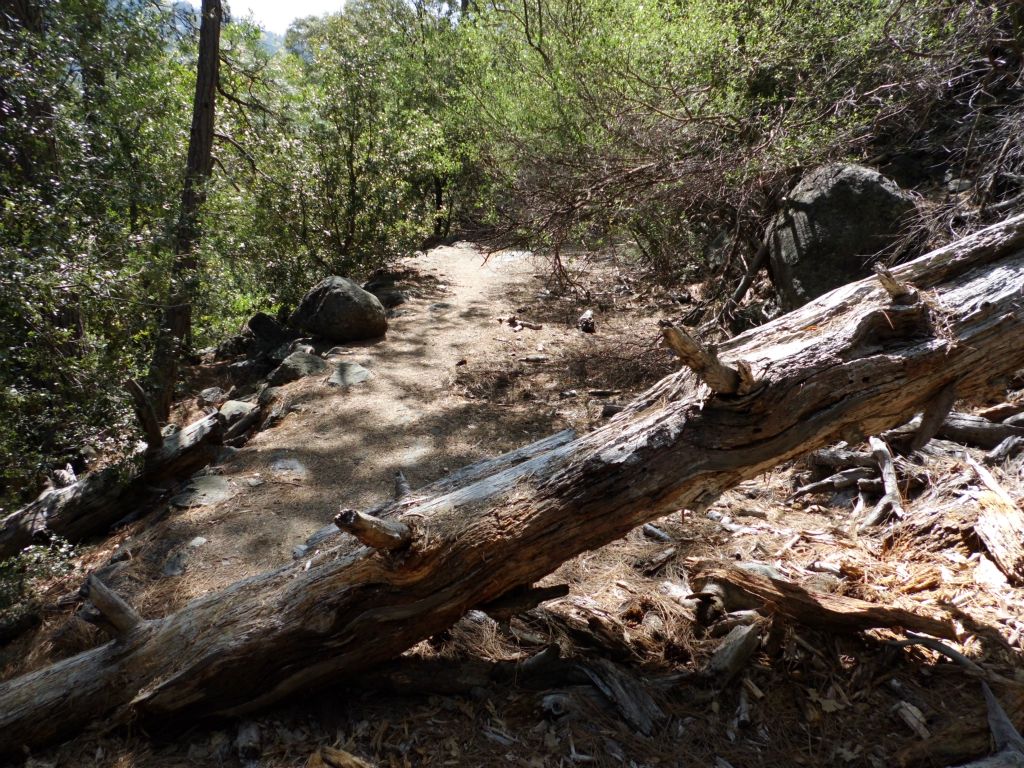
x=212 y=396
x=235 y=410
x=833 y=226
x=586 y=322
x=287 y=465
x=440 y=306
x=346 y=374
x=296 y=366
x=201 y=491
x=198 y=541
x=338 y=309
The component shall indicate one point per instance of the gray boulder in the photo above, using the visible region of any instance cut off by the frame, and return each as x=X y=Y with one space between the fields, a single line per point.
x=832 y=228
x=296 y=366
x=338 y=309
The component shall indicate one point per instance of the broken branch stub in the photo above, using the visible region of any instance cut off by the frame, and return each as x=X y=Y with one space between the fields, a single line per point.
x=387 y=535
x=704 y=362
x=898 y=291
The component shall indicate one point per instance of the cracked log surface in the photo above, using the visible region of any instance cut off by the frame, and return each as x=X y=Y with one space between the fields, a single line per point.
x=852 y=362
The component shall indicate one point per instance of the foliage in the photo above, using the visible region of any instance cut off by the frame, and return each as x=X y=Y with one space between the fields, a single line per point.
x=674 y=125
x=91 y=92
x=19 y=574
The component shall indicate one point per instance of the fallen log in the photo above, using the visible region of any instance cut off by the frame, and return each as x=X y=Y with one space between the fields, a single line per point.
x=851 y=363
x=99 y=499
x=835 y=613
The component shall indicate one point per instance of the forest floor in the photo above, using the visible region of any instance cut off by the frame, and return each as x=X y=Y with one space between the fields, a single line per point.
x=453 y=384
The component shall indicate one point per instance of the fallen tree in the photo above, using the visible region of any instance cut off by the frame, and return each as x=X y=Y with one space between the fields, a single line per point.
x=857 y=361
x=98 y=500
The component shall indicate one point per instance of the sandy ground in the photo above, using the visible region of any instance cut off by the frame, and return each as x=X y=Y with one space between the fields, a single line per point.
x=341 y=447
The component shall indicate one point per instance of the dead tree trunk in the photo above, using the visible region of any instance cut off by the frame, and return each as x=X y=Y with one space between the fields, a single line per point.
x=100 y=499
x=854 y=362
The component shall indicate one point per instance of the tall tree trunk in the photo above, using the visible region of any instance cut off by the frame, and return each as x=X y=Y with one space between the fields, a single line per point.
x=858 y=360
x=175 y=336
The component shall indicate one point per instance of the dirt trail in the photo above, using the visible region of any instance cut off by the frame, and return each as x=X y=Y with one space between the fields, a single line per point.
x=341 y=447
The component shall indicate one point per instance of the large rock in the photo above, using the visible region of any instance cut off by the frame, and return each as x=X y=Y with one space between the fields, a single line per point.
x=339 y=310
x=834 y=224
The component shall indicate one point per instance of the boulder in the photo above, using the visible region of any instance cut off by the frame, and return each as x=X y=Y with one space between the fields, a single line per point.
x=296 y=366
x=832 y=228
x=339 y=310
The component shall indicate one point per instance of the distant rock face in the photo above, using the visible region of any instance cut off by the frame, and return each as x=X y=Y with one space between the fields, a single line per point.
x=339 y=310
x=296 y=366
x=834 y=223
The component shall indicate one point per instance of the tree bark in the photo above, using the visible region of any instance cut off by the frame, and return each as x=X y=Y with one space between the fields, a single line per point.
x=850 y=362
x=175 y=335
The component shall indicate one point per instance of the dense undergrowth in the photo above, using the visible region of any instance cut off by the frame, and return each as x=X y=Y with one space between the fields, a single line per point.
x=675 y=126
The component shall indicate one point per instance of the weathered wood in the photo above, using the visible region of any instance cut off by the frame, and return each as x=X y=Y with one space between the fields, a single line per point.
x=387 y=535
x=116 y=616
x=933 y=417
x=1010 y=447
x=702 y=360
x=457 y=479
x=99 y=499
x=835 y=613
x=977 y=431
x=1000 y=526
x=521 y=600
x=837 y=482
x=848 y=361
x=891 y=502
x=897 y=291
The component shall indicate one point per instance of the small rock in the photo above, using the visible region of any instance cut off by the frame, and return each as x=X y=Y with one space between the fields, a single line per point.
x=586 y=322
x=287 y=465
x=235 y=410
x=202 y=491
x=255 y=482
x=296 y=366
x=348 y=374
x=212 y=396
x=198 y=541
